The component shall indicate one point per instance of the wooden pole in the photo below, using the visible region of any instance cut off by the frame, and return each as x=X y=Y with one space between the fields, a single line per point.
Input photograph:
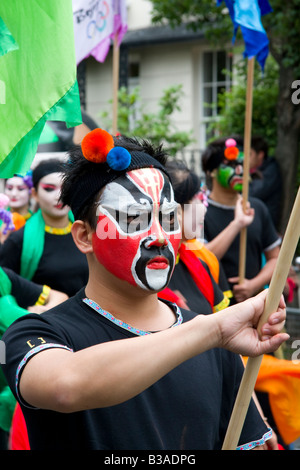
x=277 y=284
x=116 y=66
x=246 y=166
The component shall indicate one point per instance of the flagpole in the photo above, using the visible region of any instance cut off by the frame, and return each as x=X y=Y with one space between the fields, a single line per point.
x=246 y=164
x=116 y=66
x=277 y=284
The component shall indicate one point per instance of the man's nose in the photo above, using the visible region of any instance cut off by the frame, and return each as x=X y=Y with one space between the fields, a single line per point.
x=157 y=235
x=239 y=169
x=155 y=241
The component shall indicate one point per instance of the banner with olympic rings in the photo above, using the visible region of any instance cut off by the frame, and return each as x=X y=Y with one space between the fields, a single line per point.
x=95 y=24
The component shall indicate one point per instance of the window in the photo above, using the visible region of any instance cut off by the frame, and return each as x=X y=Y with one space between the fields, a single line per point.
x=216 y=78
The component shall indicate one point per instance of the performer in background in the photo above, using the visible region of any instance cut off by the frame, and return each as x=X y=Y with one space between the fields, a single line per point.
x=43 y=250
x=223 y=164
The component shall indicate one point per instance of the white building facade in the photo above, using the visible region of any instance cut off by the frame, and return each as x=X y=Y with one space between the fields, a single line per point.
x=156 y=58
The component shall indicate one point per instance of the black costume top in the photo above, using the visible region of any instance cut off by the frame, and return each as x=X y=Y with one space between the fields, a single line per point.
x=62 y=266
x=188 y=408
x=261 y=236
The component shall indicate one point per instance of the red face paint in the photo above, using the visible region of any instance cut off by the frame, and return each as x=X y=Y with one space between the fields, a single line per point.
x=138 y=233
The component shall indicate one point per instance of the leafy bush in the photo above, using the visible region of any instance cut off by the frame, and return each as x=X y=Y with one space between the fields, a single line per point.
x=133 y=120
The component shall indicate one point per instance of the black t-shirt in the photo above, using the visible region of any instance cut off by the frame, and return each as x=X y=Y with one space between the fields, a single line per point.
x=62 y=266
x=189 y=408
x=261 y=236
x=25 y=292
x=266 y=184
x=182 y=281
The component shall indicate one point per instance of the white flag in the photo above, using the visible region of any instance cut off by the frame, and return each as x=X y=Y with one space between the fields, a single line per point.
x=95 y=23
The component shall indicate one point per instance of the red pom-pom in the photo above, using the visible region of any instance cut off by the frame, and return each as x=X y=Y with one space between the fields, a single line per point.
x=96 y=145
x=231 y=153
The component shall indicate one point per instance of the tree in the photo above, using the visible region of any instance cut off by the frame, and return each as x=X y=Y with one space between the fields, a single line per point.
x=232 y=105
x=282 y=27
x=134 y=120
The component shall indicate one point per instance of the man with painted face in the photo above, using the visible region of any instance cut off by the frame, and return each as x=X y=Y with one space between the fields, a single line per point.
x=114 y=367
x=222 y=163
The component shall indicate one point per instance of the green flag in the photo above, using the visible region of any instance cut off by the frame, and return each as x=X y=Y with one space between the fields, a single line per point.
x=37 y=77
x=7 y=42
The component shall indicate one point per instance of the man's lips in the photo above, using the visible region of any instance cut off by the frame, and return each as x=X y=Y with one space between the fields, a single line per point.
x=159 y=262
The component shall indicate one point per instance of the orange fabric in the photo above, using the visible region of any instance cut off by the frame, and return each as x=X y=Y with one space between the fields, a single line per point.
x=18 y=220
x=280 y=378
x=206 y=255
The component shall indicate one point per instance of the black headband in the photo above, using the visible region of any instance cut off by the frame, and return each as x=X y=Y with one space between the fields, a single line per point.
x=98 y=175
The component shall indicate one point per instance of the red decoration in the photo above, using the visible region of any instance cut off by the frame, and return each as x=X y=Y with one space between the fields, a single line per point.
x=231 y=153
x=96 y=145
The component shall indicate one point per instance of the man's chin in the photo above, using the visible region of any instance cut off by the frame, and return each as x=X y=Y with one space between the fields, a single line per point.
x=156 y=279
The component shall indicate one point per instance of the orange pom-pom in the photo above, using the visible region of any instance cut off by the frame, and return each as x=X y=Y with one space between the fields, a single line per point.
x=96 y=145
x=18 y=220
x=231 y=153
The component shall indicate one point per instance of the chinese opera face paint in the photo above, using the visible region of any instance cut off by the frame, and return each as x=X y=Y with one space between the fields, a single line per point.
x=138 y=232
x=230 y=175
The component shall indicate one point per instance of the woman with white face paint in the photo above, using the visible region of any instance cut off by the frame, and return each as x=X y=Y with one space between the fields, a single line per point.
x=118 y=367
x=18 y=189
x=43 y=250
x=198 y=277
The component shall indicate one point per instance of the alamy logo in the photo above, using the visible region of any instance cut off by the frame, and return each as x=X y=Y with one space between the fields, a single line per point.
x=296 y=354
x=296 y=94
x=2 y=353
x=2 y=92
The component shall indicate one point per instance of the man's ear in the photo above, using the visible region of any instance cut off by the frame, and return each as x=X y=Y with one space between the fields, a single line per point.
x=82 y=235
x=261 y=157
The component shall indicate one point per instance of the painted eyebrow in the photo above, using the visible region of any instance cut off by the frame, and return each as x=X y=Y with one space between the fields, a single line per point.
x=19 y=186
x=46 y=185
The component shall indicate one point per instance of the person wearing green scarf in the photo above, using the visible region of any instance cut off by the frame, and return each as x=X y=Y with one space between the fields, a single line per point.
x=18 y=189
x=43 y=250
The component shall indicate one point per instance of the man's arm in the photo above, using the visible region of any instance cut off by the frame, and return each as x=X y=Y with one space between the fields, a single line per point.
x=222 y=242
x=111 y=373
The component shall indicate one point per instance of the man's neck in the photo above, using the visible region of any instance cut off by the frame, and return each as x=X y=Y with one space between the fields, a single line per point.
x=128 y=303
x=225 y=196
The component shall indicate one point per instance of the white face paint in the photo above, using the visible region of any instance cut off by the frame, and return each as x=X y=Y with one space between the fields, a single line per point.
x=138 y=233
x=18 y=193
x=48 y=194
x=193 y=219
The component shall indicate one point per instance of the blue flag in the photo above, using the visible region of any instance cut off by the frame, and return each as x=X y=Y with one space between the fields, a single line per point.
x=246 y=14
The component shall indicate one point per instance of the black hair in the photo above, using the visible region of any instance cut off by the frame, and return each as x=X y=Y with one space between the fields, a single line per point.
x=185 y=182
x=44 y=168
x=258 y=144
